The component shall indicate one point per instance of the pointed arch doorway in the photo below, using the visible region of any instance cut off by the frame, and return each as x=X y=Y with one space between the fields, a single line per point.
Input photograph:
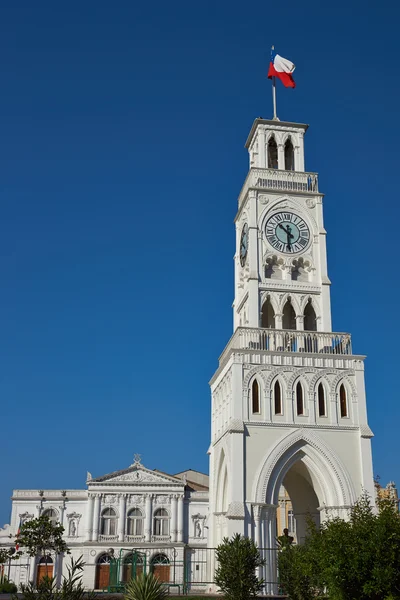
x=316 y=481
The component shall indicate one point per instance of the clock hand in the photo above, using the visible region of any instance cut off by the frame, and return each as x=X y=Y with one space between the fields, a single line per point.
x=286 y=230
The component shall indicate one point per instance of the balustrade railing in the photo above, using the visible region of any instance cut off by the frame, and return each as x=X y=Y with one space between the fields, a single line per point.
x=283 y=340
x=276 y=179
x=136 y=539
x=160 y=538
x=108 y=538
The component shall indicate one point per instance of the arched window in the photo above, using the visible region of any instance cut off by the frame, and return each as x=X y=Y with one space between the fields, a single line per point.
x=272 y=153
x=135 y=522
x=102 y=572
x=289 y=316
x=289 y=155
x=268 y=315
x=343 y=401
x=278 y=398
x=51 y=514
x=310 y=318
x=321 y=401
x=255 y=397
x=159 y=566
x=161 y=522
x=299 y=399
x=44 y=568
x=133 y=566
x=108 y=522
x=291 y=522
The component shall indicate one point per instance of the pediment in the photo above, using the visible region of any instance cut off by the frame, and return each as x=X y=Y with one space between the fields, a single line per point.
x=139 y=475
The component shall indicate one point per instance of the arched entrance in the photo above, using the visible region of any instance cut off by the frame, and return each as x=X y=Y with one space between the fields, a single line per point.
x=102 y=572
x=45 y=568
x=160 y=567
x=132 y=566
x=316 y=481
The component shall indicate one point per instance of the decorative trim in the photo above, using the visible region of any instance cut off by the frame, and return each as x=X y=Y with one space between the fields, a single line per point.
x=235 y=511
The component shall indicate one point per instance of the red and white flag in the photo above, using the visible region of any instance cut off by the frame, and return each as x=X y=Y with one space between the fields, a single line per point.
x=282 y=68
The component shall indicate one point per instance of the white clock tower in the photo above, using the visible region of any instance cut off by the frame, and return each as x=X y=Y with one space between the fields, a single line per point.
x=288 y=397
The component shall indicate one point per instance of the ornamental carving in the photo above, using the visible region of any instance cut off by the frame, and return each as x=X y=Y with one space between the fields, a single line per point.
x=25 y=517
x=310 y=202
x=110 y=499
x=161 y=499
x=135 y=499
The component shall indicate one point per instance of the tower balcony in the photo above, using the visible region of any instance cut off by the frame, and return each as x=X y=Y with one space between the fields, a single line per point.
x=285 y=340
x=281 y=181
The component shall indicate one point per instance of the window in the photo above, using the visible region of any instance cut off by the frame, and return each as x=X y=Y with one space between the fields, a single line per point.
x=255 y=397
x=310 y=318
x=289 y=155
x=272 y=153
x=299 y=399
x=135 y=522
x=51 y=514
x=268 y=315
x=291 y=522
x=161 y=522
x=321 y=401
x=277 y=398
x=343 y=401
x=289 y=316
x=108 y=522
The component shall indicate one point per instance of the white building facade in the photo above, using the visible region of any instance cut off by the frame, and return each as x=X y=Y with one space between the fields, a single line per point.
x=136 y=519
x=288 y=407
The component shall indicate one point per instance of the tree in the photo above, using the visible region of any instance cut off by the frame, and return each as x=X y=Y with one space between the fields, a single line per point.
x=238 y=559
x=40 y=537
x=354 y=558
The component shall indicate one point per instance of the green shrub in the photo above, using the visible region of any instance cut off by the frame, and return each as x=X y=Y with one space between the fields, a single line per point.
x=238 y=560
x=7 y=587
x=145 y=587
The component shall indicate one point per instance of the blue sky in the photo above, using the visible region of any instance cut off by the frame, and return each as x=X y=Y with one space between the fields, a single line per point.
x=122 y=130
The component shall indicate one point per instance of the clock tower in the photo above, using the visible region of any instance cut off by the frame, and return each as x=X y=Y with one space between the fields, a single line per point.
x=288 y=397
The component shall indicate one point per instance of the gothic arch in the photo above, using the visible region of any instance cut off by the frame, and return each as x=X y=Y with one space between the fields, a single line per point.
x=342 y=378
x=272 y=298
x=283 y=378
x=331 y=477
x=255 y=372
x=293 y=300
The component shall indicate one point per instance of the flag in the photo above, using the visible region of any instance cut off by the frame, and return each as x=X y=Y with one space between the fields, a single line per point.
x=281 y=68
x=18 y=532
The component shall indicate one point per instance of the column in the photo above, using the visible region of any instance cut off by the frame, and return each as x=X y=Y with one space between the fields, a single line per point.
x=147 y=521
x=281 y=156
x=270 y=543
x=96 y=518
x=261 y=149
x=180 y=519
x=32 y=569
x=173 y=517
x=62 y=511
x=122 y=517
x=89 y=519
x=258 y=534
x=282 y=510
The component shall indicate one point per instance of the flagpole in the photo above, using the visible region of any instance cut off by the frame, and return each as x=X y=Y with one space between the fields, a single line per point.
x=274 y=97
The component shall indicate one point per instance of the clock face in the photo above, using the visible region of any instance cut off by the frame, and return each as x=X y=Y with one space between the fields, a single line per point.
x=244 y=244
x=287 y=232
